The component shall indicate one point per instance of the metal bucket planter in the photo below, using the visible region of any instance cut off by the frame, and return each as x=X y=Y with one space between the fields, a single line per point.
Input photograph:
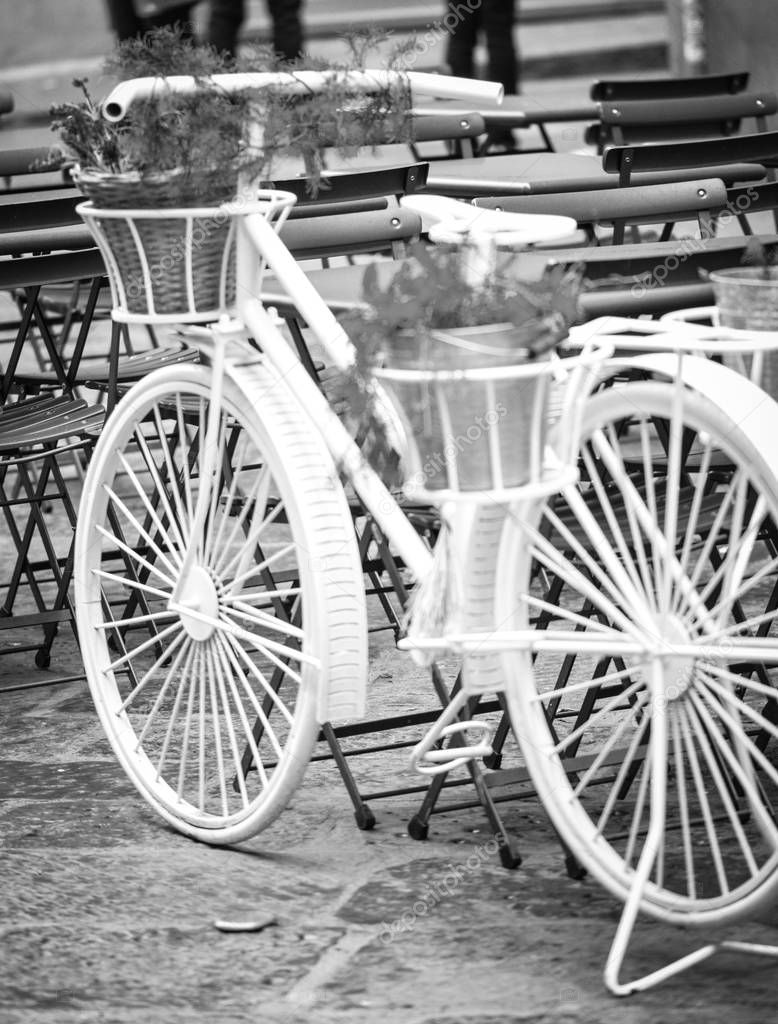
x=747 y=300
x=472 y=402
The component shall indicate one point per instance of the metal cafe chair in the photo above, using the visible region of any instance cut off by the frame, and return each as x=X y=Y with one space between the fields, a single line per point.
x=40 y=435
x=760 y=148
x=47 y=428
x=624 y=122
x=669 y=88
x=49 y=264
x=618 y=209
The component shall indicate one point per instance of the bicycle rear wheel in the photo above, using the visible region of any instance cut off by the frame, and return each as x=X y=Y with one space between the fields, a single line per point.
x=655 y=582
x=208 y=681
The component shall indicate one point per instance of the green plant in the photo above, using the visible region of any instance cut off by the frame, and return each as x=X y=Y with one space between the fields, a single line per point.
x=435 y=291
x=305 y=126
x=211 y=129
x=192 y=133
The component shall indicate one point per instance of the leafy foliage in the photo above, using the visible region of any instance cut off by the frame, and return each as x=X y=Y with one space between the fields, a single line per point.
x=211 y=128
x=434 y=292
x=193 y=132
x=335 y=117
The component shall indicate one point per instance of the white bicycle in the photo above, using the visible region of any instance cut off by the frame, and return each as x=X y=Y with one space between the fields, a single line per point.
x=624 y=598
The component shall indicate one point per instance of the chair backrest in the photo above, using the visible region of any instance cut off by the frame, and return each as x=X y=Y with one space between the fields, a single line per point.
x=668 y=88
x=460 y=131
x=38 y=166
x=655 y=265
x=624 y=122
x=344 y=186
x=350 y=232
x=653 y=278
x=760 y=148
x=52 y=208
x=637 y=204
x=745 y=201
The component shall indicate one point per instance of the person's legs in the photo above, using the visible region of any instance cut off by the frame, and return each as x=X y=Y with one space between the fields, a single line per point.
x=499 y=20
x=124 y=21
x=462 y=24
x=224 y=22
x=287 y=27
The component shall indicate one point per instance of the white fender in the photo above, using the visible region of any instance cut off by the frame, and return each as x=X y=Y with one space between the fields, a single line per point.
x=751 y=409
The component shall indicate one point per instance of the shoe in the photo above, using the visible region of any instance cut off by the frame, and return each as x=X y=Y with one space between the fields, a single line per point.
x=499 y=140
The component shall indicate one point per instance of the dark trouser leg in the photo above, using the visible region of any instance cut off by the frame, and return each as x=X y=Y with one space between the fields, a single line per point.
x=124 y=21
x=462 y=25
x=287 y=27
x=499 y=22
x=224 y=22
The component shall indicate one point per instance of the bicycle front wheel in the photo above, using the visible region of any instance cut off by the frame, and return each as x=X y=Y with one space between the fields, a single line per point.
x=654 y=592
x=207 y=676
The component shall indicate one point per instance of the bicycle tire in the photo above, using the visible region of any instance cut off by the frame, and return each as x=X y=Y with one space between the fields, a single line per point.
x=214 y=721
x=584 y=721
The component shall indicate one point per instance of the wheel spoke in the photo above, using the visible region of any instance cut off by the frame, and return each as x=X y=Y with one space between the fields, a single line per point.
x=693 y=518
x=168 y=681
x=702 y=797
x=262 y=620
x=149 y=675
x=679 y=736
x=184 y=687
x=173 y=545
x=598 y=715
x=187 y=674
x=605 y=749
x=722 y=787
x=233 y=670
x=629 y=761
x=136 y=557
x=219 y=663
x=217 y=732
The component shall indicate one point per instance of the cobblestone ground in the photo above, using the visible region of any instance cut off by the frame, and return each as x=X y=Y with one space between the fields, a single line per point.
x=109 y=915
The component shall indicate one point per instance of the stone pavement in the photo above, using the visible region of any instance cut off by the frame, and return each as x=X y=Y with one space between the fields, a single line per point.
x=109 y=916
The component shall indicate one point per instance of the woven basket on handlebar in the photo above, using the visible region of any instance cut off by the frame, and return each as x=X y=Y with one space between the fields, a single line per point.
x=184 y=255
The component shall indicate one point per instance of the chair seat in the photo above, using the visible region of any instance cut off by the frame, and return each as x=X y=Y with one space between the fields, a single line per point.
x=38 y=421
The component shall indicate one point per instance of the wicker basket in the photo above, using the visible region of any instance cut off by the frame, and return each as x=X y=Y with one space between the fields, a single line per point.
x=474 y=416
x=747 y=300
x=180 y=265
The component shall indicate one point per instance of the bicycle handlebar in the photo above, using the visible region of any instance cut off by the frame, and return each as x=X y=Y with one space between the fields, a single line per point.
x=421 y=83
x=449 y=220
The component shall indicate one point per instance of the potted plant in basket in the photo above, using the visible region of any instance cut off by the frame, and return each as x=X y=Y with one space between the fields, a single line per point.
x=462 y=348
x=747 y=300
x=433 y=315
x=186 y=150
